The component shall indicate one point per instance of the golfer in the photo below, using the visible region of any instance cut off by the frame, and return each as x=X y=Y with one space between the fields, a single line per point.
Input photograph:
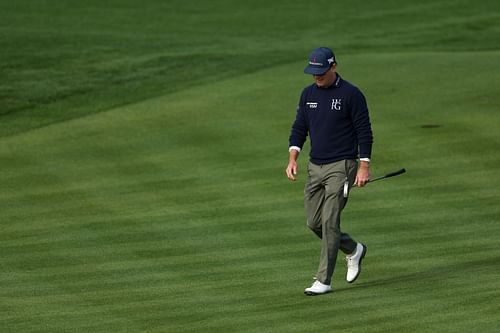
x=333 y=112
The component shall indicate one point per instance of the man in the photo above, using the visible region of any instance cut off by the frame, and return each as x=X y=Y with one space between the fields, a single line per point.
x=334 y=114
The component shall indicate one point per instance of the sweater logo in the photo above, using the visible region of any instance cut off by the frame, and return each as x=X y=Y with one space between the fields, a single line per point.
x=312 y=105
x=337 y=104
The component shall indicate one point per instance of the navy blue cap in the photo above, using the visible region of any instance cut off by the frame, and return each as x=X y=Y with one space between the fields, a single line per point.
x=320 y=61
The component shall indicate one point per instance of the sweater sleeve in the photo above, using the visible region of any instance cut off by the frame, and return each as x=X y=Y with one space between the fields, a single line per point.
x=299 y=128
x=362 y=125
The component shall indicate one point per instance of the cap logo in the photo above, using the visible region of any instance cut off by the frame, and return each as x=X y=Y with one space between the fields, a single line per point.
x=330 y=61
x=315 y=63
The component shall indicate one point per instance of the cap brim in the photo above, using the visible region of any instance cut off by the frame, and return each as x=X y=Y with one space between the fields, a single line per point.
x=315 y=70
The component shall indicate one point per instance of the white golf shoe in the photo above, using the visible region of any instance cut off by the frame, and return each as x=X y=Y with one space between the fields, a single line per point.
x=354 y=263
x=317 y=288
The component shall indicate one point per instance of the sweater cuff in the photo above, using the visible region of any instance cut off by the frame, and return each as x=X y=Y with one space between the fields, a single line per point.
x=294 y=148
x=365 y=150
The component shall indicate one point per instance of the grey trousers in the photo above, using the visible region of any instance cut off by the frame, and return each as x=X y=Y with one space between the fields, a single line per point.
x=324 y=201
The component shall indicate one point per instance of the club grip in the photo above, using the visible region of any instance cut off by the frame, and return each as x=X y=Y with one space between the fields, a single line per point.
x=395 y=173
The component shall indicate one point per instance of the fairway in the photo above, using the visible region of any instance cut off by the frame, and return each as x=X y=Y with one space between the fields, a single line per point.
x=143 y=151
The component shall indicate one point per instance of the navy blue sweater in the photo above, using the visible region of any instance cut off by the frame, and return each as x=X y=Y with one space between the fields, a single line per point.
x=337 y=120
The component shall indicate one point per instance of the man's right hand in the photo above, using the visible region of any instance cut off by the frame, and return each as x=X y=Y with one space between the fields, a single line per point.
x=291 y=170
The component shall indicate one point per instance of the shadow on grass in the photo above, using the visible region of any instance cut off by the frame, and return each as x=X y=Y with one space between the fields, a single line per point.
x=436 y=273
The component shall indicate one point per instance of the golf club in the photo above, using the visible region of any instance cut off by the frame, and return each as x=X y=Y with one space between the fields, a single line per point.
x=391 y=174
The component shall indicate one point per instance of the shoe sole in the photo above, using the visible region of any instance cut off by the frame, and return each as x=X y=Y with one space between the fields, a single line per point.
x=310 y=293
x=360 y=260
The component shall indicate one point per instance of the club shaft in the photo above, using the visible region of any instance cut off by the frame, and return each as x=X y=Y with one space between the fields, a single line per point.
x=391 y=174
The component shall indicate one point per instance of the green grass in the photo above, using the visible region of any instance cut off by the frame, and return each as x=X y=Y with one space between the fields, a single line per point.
x=144 y=190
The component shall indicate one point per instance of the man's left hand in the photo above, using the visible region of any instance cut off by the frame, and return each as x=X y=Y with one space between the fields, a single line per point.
x=363 y=175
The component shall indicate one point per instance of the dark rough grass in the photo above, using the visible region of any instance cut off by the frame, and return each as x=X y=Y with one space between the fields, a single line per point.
x=61 y=61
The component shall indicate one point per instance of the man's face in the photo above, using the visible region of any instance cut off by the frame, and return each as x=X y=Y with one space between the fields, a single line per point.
x=327 y=79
